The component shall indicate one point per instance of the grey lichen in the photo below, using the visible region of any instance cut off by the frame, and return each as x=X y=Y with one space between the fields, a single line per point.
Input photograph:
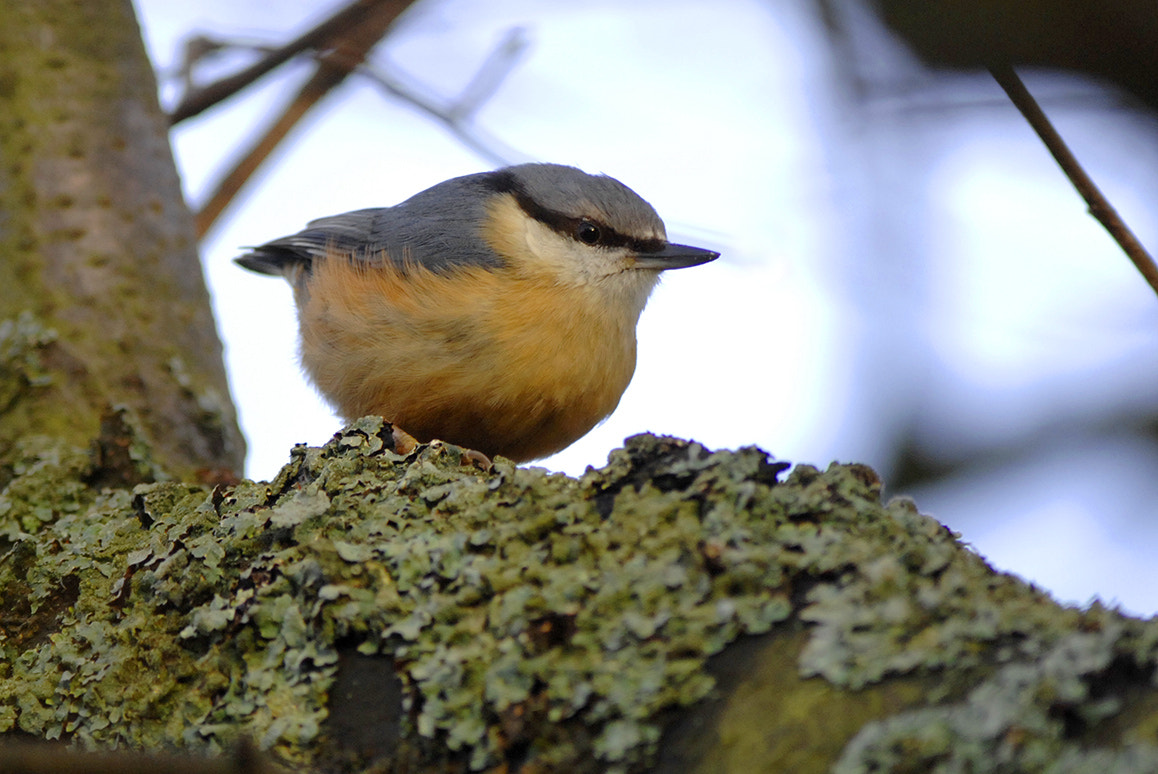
x=517 y=604
x=1043 y=711
x=926 y=603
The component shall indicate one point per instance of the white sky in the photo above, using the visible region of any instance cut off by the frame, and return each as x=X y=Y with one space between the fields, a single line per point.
x=979 y=305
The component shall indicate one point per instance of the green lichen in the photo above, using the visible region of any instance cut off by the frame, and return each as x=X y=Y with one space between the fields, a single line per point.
x=201 y=616
x=40 y=480
x=1034 y=714
x=517 y=605
x=925 y=604
x=1039 y=681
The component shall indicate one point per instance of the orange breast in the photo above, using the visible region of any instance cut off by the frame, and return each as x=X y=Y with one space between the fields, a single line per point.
x=480 y=358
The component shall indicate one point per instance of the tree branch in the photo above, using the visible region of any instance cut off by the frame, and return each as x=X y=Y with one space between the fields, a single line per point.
x=383 y=608
x=456 y=116
x=195 y=102
x=347 y=50
x=1097 y=203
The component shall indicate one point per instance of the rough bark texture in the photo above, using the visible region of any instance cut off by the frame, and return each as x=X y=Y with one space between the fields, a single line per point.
x=678 y=610
x=1112 y=39
x=102 y=300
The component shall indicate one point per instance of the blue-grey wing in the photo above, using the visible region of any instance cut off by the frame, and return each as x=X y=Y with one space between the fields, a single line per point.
x=439 y=229
x=351 y=234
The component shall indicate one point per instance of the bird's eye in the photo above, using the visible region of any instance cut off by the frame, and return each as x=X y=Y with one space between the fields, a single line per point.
x=587 y=232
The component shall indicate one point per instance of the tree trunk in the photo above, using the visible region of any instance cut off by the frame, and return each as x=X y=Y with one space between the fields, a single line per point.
x=103 y=303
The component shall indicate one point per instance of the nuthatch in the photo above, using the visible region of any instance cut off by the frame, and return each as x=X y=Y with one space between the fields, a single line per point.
x=495 y=311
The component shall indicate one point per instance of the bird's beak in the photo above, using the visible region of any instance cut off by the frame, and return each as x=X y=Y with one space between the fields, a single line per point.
x=674 y=257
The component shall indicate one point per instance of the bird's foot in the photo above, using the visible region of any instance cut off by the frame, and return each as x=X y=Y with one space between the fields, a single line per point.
x=404 y=443
x=477 y=458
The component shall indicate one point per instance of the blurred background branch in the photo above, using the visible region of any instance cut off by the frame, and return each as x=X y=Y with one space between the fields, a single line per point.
x=349 y=36
x=1098 y=205
x=1115 y=40
x=199 y=98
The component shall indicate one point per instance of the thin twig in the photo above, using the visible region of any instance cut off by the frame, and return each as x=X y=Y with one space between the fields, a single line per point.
x=457 y=115
x=325 y=78
x=1098 y=205
x=469 y=136
x=202 y=99
x=490 y=76
x=347 y=49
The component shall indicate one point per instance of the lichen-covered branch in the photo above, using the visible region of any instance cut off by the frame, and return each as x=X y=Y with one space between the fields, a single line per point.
x=677 y=610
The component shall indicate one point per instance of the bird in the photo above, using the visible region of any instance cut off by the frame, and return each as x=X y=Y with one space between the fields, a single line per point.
x=495 y=311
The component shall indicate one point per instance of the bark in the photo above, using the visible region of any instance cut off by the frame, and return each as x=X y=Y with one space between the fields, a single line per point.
x=679 y=610
x=103 y=302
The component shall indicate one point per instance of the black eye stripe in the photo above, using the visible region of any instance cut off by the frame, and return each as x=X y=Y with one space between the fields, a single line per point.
x=569 y=226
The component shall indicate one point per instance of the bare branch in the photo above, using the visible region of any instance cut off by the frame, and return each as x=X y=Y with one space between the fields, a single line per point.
x=490 y=76
x=1098 y=205
x=470 y=136
x=197 y=101
x=352 y=32
x=456 y=116
x=346 y=49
